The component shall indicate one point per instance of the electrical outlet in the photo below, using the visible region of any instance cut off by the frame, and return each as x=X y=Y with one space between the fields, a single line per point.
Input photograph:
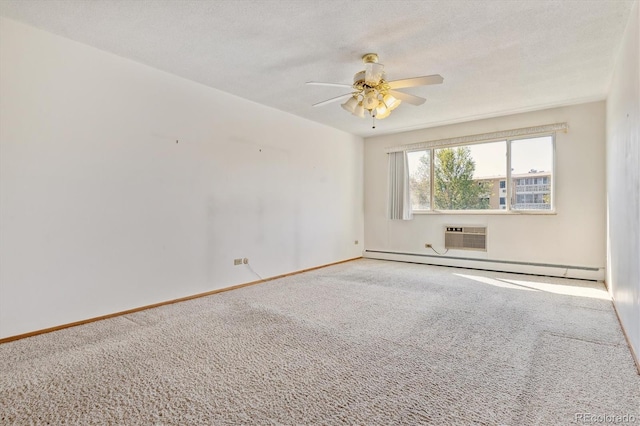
x=245 y=260
x=427 y=245
x=237 y=262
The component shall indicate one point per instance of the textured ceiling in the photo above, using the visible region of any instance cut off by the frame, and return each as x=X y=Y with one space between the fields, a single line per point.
x=496 y=57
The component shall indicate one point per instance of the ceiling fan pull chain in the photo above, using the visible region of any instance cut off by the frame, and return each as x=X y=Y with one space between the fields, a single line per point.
x=373 y=121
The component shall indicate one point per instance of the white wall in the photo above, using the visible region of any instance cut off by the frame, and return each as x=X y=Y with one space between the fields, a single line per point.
x=623 y=183
x=575 y=236
x=101 y=210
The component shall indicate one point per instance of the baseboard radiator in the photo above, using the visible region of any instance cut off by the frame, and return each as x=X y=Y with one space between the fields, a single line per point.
x=532 y=268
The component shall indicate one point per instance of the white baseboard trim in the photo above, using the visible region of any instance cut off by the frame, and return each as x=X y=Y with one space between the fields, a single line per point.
x=634 y=354
x=167 y=302
x=552 y=270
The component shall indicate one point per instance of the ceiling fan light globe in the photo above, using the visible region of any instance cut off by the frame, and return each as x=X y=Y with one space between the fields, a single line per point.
x=391 y=102
x=381 y=109
x=351 y=104
x=358 y=111
x=385 y=114
x=370 y=101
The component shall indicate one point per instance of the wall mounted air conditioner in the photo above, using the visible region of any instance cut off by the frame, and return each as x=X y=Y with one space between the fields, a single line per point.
x=465 y=237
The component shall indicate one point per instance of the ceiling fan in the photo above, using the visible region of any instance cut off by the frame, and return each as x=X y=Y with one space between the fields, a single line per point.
x=371 y=91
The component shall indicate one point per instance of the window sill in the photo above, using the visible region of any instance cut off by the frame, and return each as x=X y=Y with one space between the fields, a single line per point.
x=486 y=212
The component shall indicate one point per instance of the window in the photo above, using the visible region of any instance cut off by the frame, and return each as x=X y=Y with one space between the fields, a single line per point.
x=420 y=179
x=477 y=176
x=532 y=158
x=464 y=176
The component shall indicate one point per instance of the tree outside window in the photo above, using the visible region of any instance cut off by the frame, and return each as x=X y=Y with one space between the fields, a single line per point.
x=454 y=186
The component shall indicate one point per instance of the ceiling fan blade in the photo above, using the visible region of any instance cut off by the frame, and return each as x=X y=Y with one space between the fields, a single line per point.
x=416 y=81
x=411 y=99
x=319 y=83
x=337 y=98
x=373 y=73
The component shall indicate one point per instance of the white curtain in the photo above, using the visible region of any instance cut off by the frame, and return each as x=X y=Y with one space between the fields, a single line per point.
x=399 y=200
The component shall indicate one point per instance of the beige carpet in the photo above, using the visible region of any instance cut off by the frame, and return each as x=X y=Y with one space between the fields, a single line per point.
x=365 y=342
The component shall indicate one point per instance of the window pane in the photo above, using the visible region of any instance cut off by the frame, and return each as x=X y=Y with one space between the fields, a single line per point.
x=468 y=177
x=419 y=179
x=532 y=166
